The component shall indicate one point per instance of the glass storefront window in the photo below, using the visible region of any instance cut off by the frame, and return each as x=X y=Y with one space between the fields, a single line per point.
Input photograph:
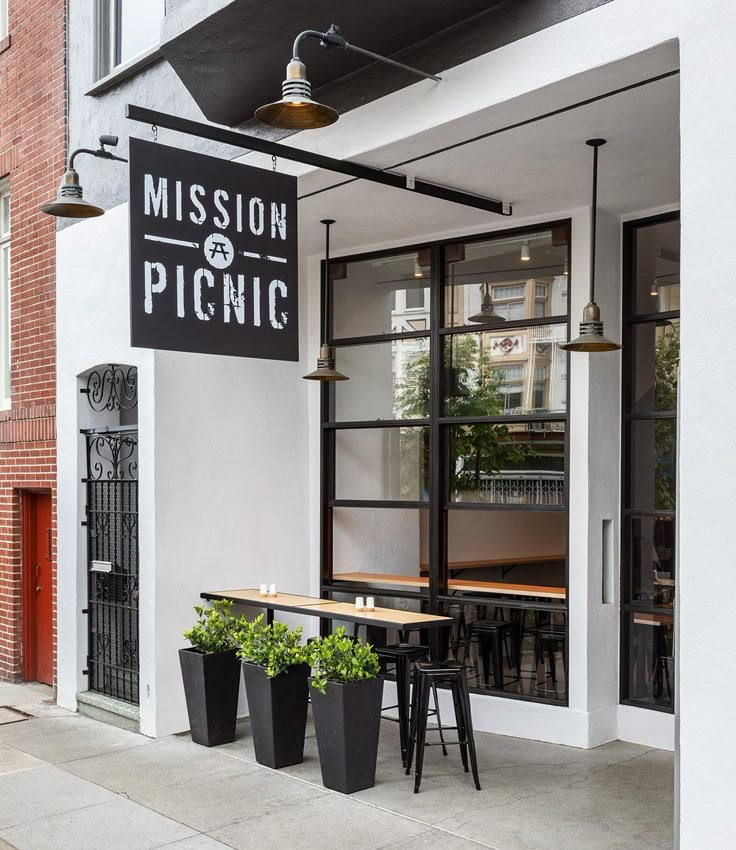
x=522 y=464
x=385 y=295
x=532 y=649
x=526 y=276
x=388 y=380
x=651 y=551
x=652 y=452
x=657 y=268
x=656 y=354
x=381 y=548
x=382 y=464
x=650 y=362
x=499 y=517
x=650 y=652
x=495 y=373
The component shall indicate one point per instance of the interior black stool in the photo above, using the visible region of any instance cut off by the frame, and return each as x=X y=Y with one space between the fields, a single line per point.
x=491 y=635
x=429 y=674
x=404 y=656
x=547 y=640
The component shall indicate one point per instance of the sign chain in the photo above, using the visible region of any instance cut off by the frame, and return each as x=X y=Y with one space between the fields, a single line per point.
x=154 y=130
x=274 y=161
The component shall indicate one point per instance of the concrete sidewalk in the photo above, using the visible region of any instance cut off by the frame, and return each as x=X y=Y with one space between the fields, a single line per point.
x=70 y=782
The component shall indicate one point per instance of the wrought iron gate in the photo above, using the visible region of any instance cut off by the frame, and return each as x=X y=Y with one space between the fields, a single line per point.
x=113 y=561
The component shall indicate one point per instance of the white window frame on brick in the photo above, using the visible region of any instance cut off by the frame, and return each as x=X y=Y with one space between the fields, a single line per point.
x=3 y=18
x=117 y=43
x=4 y=294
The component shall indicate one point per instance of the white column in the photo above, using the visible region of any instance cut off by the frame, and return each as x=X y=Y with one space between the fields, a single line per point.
x=706 y=746
x=594 y=487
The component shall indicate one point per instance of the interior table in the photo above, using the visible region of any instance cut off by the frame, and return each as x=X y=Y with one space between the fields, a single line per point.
x=454 y=584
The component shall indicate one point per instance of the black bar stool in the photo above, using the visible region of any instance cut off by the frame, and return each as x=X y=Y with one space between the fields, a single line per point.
x=491 y=635
x=427 y=675
x=547 y=640
x=403 y=656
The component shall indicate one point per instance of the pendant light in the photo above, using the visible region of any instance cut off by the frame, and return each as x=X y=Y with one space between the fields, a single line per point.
x=325 y=370
x=591 y=328
x=297 y=109
x=525 y=255
x=487 y=314
x=69 y=201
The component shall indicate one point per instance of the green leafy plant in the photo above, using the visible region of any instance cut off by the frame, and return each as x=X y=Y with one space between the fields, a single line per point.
x=473 y=389
x=214 y=629
x=337 y=658
x=274 y=646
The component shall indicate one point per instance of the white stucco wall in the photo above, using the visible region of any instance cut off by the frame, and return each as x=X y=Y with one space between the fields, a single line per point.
x=223 y=470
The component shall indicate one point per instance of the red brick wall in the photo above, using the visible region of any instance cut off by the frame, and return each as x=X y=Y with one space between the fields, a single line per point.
x=32 y=155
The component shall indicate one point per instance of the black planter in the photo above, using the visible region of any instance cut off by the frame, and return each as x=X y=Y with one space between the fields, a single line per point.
x=211 y=684
x=347 y=720
x=278 y=713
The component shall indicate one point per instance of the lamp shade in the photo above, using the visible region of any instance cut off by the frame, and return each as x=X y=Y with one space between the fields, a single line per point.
x=325 y=370
x=69 y=201
x=591 y=333
x=487 y=314
x=296 y=110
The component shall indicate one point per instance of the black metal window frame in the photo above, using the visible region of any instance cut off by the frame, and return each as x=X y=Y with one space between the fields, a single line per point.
x=629 y=324
x=438 y=503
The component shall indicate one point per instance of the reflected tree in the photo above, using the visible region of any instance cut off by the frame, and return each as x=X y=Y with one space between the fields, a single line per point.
x=666 y=360
x=472 y=389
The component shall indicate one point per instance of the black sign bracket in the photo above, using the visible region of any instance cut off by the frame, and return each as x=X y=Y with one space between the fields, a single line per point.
x=340 y=166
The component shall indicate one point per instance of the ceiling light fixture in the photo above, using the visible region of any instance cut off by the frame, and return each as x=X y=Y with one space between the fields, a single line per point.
x=325 y=370
x=297 y=110
x=565 y=268
x=591 y=328
x=654 y=288
x=487 y=314
x=69 y=201
x=525 y=257
x=418 y=270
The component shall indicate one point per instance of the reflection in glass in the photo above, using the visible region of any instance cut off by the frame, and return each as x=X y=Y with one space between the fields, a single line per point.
x=656 y=354
x=657 y=272
x=385 y=464
x=520 y=289
x=521 y=547
x=651 y=661
x=651 y=541
x=384 y=295
x=652 y=456
x=531 y=649
x=388 y=380
x=508 y=464
x=381 y=547
x=493 y=373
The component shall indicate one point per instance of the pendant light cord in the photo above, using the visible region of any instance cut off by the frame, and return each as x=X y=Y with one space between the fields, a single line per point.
x=595 y=144
x=328 y=222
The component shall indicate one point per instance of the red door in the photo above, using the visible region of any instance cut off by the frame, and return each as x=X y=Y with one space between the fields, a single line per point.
x=38 y=638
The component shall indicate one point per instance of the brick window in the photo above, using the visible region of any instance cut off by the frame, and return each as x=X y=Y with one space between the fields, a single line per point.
x=4 y=294
x=124 y=30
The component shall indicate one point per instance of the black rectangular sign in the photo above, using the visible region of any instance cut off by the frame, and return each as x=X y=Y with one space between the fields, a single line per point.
x=213 y=255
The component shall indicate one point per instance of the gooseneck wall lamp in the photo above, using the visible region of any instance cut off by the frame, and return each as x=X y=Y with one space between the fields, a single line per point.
x=69 y=201
x=591 y=336
x=325 y=370
x=296 y=110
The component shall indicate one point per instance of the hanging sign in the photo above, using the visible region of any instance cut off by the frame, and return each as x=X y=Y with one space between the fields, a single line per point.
x=213 y=255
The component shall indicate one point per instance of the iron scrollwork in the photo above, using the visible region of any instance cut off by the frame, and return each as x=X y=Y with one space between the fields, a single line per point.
x=112 y=388
x=113 y=456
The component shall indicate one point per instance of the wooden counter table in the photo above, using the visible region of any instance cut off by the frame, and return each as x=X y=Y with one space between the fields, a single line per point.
x=377 y=580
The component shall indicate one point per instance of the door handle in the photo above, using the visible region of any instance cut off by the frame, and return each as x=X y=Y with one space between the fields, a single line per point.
x=48 y=544
x=38 y=571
